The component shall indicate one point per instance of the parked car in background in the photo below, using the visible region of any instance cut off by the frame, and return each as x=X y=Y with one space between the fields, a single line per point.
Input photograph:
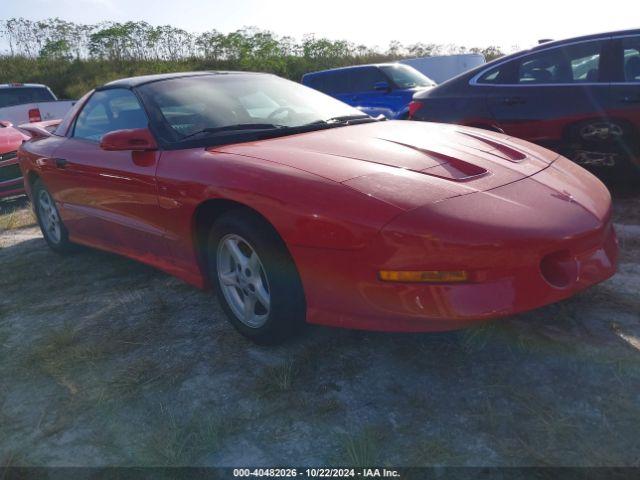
x=382 y=89
x=30 y=102
x=441 y=68
x=296 y=207
x=11 y=182
x=579 y=97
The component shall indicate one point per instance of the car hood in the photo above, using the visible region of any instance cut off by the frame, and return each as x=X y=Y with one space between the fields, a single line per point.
x=404 y=163
x=10 y=139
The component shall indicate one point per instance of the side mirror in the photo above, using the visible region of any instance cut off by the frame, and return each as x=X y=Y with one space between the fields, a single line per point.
x=136 y=139
x=381 y=87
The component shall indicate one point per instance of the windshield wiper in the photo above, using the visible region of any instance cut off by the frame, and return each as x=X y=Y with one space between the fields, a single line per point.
x=232 y=128
x=342 y=120
x=268 y=129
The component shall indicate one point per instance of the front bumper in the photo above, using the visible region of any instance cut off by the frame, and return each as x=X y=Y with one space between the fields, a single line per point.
x=11 y=182
x=525 y=245
x=351 y=301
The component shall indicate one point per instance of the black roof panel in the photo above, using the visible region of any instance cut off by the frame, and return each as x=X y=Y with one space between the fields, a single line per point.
x=132 y=82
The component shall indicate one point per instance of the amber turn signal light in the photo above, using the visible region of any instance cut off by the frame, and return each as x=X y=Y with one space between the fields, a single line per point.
x=429 y=276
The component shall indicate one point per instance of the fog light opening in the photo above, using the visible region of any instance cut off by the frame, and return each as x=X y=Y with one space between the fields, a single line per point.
x=559 y=269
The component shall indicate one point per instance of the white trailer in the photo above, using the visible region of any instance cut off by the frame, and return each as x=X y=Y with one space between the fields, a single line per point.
x=444 y=67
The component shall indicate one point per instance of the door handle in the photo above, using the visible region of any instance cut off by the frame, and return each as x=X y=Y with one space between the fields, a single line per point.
x=513 y=100
x=60 y=162
x=630 y=99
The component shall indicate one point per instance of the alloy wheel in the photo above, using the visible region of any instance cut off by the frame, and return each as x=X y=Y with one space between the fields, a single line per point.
x=243 y=280
x=49 y=217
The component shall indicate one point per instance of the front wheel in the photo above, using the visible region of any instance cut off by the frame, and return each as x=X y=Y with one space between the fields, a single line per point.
x=53 y=230
x=255 y=278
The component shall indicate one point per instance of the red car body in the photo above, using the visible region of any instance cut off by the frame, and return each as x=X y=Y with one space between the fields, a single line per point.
x=528 y=226
x=11 y=182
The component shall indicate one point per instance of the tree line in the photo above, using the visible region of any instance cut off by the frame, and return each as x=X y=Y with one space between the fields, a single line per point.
x=40 y=49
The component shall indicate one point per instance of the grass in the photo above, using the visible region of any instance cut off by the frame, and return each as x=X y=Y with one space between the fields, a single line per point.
x=72 y=352
x=362 y=449
x=10 y=459
x=278 y=379
x=433 y=452
x=181 y=443
x=328 y=406
x=58 y=353
x=17 y=218
x=142 y=373
x=477 y=338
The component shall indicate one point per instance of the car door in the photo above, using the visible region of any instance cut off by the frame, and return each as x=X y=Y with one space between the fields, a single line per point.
x=109 y=198
x=368 y=96
x=339 y=85
x=625 y=92
x=542 y=96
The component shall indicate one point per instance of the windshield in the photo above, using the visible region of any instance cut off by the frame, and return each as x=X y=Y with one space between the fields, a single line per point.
x=189 y=105
x=405 y=76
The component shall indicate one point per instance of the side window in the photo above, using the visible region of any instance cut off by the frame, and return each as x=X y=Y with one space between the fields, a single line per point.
x=364 y=79
x=631 y=59
x=578 y=63
x=338 y=82
x=109 y=110
x=67 y=120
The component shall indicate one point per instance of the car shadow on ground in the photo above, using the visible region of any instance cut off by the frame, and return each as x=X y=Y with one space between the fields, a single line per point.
x=110 y=362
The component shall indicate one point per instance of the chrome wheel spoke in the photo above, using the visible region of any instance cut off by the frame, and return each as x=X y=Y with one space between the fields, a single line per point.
x=254 y=263
x=236 y=253
x=229 y=279
x=262 y=295
x=249 y=306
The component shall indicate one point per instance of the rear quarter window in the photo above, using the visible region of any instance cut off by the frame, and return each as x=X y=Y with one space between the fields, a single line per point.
x=500 y=75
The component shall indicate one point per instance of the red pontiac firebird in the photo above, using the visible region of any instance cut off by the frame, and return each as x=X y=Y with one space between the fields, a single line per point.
x=295 y=206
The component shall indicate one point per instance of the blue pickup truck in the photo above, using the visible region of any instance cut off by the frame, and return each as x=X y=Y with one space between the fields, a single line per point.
x=381 y=89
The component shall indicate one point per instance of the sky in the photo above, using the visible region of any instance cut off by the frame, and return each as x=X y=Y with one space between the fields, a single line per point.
x=508 y=24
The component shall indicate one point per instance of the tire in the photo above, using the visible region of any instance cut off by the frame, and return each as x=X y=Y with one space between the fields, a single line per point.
x=255 y=278
x=611 y=140
x=53 y=230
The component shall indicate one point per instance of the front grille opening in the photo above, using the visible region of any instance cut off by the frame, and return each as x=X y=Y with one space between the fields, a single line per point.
x=8 y=156
x=10 y=172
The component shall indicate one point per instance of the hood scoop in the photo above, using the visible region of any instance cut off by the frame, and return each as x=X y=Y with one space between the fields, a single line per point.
x=446 y=166
x=498 y=149
x=456 y=170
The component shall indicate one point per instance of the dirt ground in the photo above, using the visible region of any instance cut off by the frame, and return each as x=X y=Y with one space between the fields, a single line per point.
x=104 y=361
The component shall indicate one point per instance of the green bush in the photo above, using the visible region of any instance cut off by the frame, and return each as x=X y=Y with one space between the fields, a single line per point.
x=73 y=78
x=73 y=58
